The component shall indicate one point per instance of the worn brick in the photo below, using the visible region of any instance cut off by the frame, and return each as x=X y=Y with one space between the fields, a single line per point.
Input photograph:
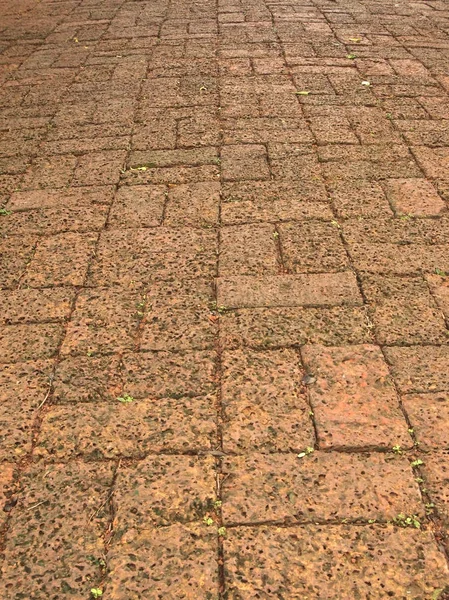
x=429 y=417
x=246 y=161
x=193 y=204
x=176 y=561
x=138 y=206
x=60 y=520
x=403 y=310
x=318 y=486
x=420 y=368
x=248 y=250
x=104 y=320
x=333 y=562
x=312 y=247
x=330 y=289
x=353 y=398
x=416 y=197
x=61 y=260
x=264 y=407
x=164 y=490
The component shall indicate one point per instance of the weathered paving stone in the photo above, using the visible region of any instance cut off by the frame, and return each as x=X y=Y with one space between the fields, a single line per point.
x=312 y=247
x=353 y=398
x=128 y=428
x=24 y=386
x=15 y=255
x=246 y=161
x=439 y=286
x=330 y=289
x=403 y=310
x=436 y=476
x=29 y=342
x=178 y=561
x=87 y=378
x=134 y=258
x=194 y=204
x=61 y=260
x=416 y=197
x=7 y=488
x=318 y=486
x=224 y=241
x=268 y=327
x=248 y=250
x=169 y=374
x=138 y=206
x=32 y=305
x=420 y=368
x=359 y=198
x=429 y=416
x=163 y=490
x=264 y=407
x=333 y=562
x=57 y=530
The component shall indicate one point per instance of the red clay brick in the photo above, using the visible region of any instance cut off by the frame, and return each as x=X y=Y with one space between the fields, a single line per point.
x=416 y=197
x=178 y=561
x=263 y=405
x=61 y=260
x=429 y=416
x=353 y=398
x=330 y=289
x=243 y=162
x=333 y=562
x=248 y=250
x=318 y=486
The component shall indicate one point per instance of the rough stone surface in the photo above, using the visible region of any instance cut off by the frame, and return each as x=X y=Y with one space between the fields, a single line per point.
x=224 y=300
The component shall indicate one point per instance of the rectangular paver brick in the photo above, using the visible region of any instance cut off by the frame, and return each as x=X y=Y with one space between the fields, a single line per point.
x=319 y=289
x=248 y=250
x=420 y=368
x=263 y=403
x=318 y=486
x=333 y=562
x=170 y=562
x=353 y=398
x=246 y=161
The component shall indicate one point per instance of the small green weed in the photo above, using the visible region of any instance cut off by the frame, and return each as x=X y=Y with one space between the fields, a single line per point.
x=125 y=399
x=403 y=520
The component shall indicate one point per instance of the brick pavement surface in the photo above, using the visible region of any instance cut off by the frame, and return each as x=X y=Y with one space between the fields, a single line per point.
x=224 y=299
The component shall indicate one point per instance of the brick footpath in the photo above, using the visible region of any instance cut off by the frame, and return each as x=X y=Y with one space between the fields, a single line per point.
x=224 y=300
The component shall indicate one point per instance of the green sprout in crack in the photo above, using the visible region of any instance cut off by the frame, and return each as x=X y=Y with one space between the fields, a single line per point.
x=417 y=463
x=306 y=452
x=222 y=531
x=397 y=449
x=125 y=399
x=96 y=593
x=403 y=520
